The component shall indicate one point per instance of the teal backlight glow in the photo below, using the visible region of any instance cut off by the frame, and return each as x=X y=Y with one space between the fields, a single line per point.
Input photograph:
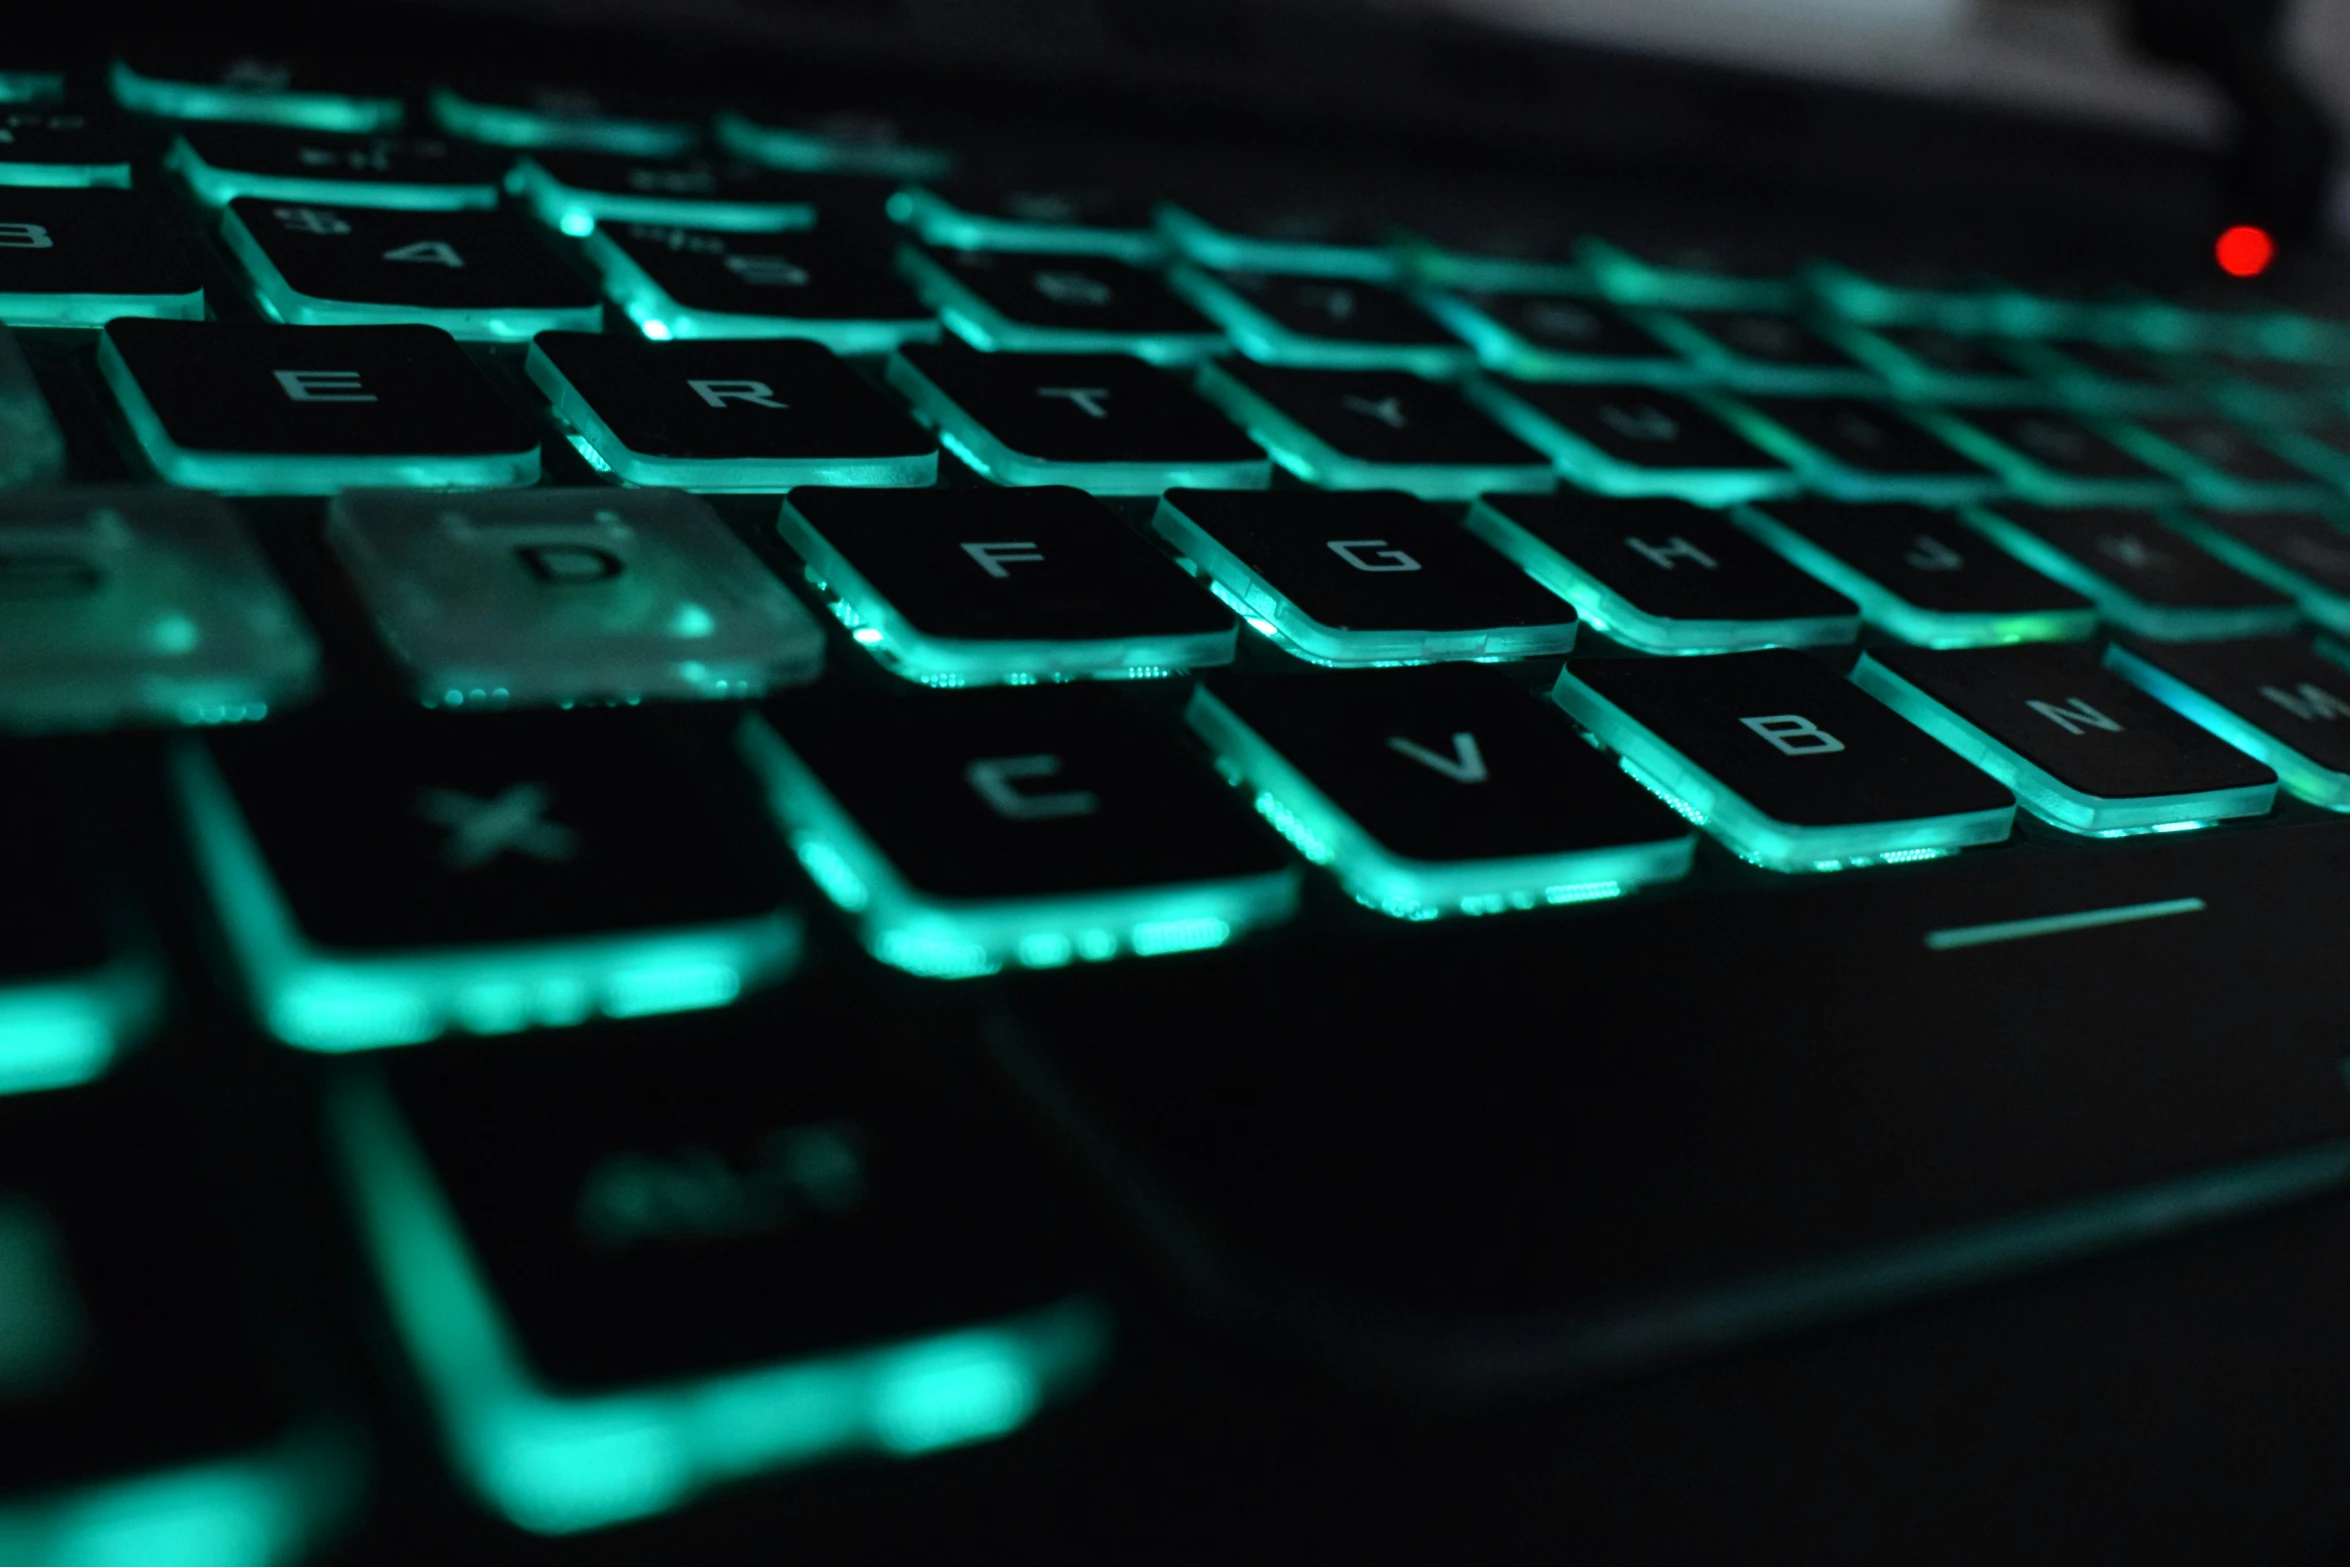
x=490 y=324
x=2116 y=603
x=557 y=1463
x=269 y=473
x=659 y=316
x=904 y=648
x=944 y=938
x=1262 y=337
x=971 y=441
x=818 y=150
x=602 y=446
x=2308 y=779
x=1403 y=888
x=983 y=326
x=1314 y=460
x=575 y=210
x=1890 y=613
x=70 y=1031
x=217 y=187
x=1273 y=614
x=265 y=1509
x=1609 y=611
x=1749 y=833
x=2047 y=796
x=2319 y=602
x=513 y=125
x=1229 y=251
x=321 y=1000
x=940 y=222
x=254 y=105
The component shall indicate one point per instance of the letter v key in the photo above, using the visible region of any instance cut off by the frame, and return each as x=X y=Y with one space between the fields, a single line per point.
x=1465 y=765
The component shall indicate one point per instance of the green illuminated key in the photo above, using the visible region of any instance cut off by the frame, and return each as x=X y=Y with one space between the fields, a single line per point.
x=575 y=191
x=2303 y=553
x=2085 y=750
x=1919 y=576
x=971 y=831
x=1759 y=351
x=1859 y=450
x=1074 y=221
x=1106 y=422
x=2105 y=377
x=1508 y=254
x=507 y=114
x=757 y=413
x=1338 y=324
x=263 y=410
x=319 y=168
x=81 y=982
x=1790 y=766
x=1256 y=236
x=842 y=142
x=2053 y=458
x=1556 y=337
x=145 y=1417
x=2219 y=462
x=1663 y=576
x=1373 y=430
x=562 y=598
x=1635 y=440
x=1366 y=578
x=1431 y=792
x=1660 y=266
x=580 y=1246
x=2143 y=577
x=25 y=81
x=140 y=606
x=55 y=145
x=1014 y=302
x=974 y=587
x=1930 y=364
x=481 y=275
x=2322 y=448
x=386 y=878
x=83 y=258
x=2272 y=698
x=830 y=286
x=1906 y=292
x=185 y=85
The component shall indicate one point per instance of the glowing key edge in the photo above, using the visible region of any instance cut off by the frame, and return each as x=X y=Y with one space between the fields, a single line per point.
x=2160 y=622
x=1314 y=460
x=303 y=110
x=2301 y=776
x=984 y=327
x=217 y=187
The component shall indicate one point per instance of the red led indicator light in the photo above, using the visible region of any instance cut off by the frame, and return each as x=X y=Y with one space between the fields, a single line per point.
x=2245 y=251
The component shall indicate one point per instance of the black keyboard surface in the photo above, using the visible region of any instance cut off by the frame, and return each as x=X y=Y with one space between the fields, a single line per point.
x=742 y=831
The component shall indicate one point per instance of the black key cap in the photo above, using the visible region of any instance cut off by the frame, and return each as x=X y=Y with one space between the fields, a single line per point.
x=268 y=411
x=993 y=215
x=1792 y=767
x=2054 y=458
x=2303 y=553
x=2083 y=748
x=1935 y=365
x=852 y=1250
x=575 y=191
x=79 y=983
x=483 y=275
x=144 y=1414
x=1373 y=430
x=743 y=414
x=86 y=257
x=836 y=288
x=56 y=144
x=1372 y=578
x=1760 y=351
x=1664 y=576
x=387 y=879
x=1633 y=440
x=2272 y=698
x=985 y=828
x=223 y=162
x=1920 y=576
x=1012 y=302
x=963 y=587
x=2220 y=462
x=810 y=135
x=212 y=84
x=1440 y=791
x=1557 y=337
x=2102 y=376
x=1332 y=323
x=1863 y=451
x=2143 y=577
x=1106 y=422
x=1254 y=234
